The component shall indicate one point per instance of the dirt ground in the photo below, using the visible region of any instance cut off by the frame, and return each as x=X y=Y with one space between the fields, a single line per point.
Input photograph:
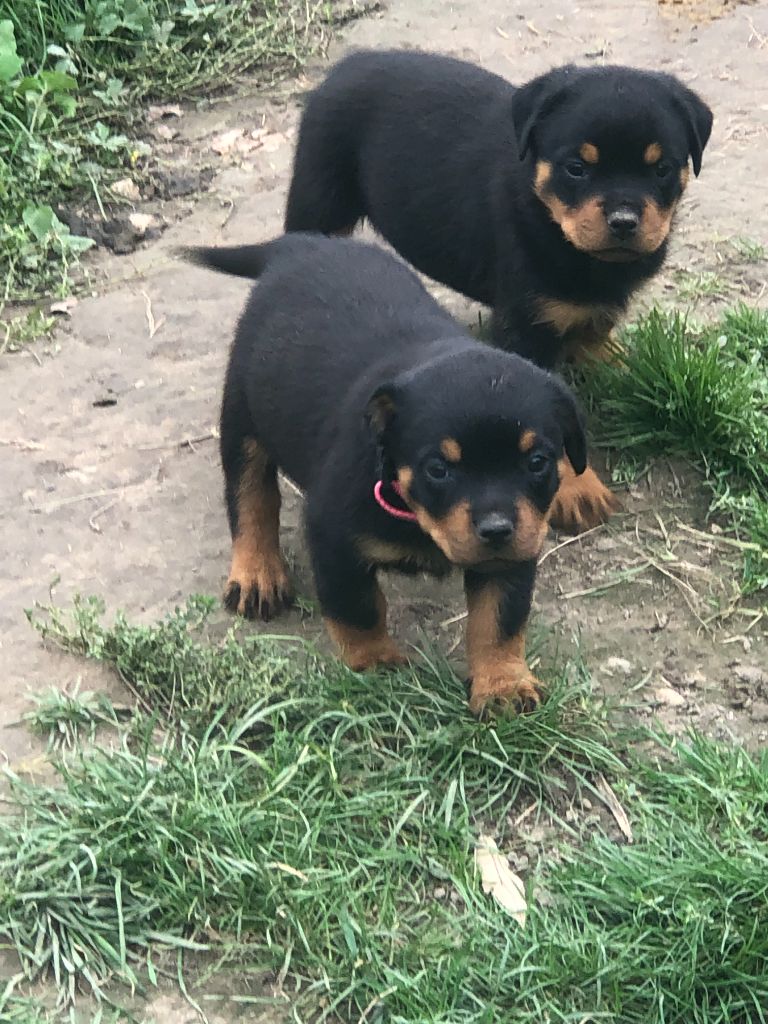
x=108 y=456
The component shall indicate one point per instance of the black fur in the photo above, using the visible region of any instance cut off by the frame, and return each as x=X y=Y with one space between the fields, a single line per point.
x=441 y=157
x=343 y=368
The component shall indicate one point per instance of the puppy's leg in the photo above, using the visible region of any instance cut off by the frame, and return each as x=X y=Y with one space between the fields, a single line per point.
x=498 y=607
x=258 y=583
x=595 y=342
x=353 y=606
x=582 y=502
x=323 y=195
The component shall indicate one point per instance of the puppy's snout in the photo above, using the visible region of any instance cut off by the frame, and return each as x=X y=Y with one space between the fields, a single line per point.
x=623 y=223
x=494 y=528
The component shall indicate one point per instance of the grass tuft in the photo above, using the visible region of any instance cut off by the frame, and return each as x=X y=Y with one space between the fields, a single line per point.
x=74 y=79
x=700 y=393
x=321 y=827
x=65 y=719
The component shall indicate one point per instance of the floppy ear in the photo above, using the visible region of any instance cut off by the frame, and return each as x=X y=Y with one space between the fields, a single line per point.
x=534 y=101
x=380 y=410
x=698 y=122
x=571 y=421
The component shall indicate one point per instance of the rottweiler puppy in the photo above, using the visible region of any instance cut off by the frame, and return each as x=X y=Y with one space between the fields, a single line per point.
x=418 y=449
x=551 y=203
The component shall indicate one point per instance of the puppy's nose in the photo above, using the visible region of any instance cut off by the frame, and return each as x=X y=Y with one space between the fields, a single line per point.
x=623 y=223
x=494 y=528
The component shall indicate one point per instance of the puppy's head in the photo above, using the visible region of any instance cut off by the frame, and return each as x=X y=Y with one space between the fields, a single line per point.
x=474 y=438
x=610 y=151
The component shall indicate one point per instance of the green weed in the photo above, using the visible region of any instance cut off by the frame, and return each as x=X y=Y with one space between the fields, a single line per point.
x=21 y=330
x=73 y=81
x=326 y=832
x=65 y=718
x=748 y=250
x=694 y=286
x=701 y=393
x=20 y=1010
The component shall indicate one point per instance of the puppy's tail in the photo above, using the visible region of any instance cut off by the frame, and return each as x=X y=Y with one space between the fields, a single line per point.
x=246 y=260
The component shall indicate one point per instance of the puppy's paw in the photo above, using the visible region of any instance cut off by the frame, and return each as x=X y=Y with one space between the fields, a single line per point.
x=260 y=590
x=516 y=690
x=385 y=654
x=582 y=502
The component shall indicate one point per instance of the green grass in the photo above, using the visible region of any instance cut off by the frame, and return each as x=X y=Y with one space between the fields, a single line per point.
x=66 y=718
x=700 y=285
x=18 y=1010
x=322 y=825
x=701 y=393
x=18 y=331
x=747 y=250
x=74 y=81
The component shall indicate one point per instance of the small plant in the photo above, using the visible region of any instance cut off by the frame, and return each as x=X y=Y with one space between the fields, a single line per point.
x=705 y=284
x=65 y=718
x=74 y=79
x=748 y=250
x=700 y=393
x=21 y=330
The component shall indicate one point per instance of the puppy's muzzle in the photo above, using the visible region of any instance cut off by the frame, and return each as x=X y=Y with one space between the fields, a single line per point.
x=494 y=529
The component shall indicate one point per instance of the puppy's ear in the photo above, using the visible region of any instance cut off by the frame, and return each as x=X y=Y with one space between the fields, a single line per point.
x=381 y=408
x=697 y=118
x=534 y=101
x=571 y=421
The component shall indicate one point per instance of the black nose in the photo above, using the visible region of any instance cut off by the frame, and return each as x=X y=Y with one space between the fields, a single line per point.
x=623 y=223
x=494 y=528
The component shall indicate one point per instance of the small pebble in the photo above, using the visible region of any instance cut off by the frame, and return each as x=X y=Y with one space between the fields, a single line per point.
x=616 y=665
x=668 y=697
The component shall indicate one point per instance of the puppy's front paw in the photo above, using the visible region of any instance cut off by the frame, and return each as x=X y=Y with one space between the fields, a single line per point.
x=383 y=655
x=515 y=690
x=363 y=649
x=582 y=502
x=262 y=589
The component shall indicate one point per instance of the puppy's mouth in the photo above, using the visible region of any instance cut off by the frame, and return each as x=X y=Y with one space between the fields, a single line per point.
x=618 y=254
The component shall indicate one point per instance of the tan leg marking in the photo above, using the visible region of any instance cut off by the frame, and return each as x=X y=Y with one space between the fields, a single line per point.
x=258 y=583
x=362 y=649
x=500 y=678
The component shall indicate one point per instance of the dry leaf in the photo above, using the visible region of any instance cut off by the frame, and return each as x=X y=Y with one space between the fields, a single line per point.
x=272 y=141
x=142 y=222
x=164 y=131
x=227 y=141
x=238 y=142
x=168 y=110
x=288 y=870
x=65 y=306
x=612 y=803
x=126 y=188
x=499 y=880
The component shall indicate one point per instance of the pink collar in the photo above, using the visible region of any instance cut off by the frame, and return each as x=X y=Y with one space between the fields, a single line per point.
x=398 y=513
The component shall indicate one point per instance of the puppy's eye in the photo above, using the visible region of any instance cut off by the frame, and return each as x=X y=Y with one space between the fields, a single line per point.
x=663 y=169
x=436 y=471
x=575 y=169
x=537 y=464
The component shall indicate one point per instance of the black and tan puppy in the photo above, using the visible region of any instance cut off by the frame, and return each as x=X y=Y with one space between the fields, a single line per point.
x=419 y=449
x=552 y=202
